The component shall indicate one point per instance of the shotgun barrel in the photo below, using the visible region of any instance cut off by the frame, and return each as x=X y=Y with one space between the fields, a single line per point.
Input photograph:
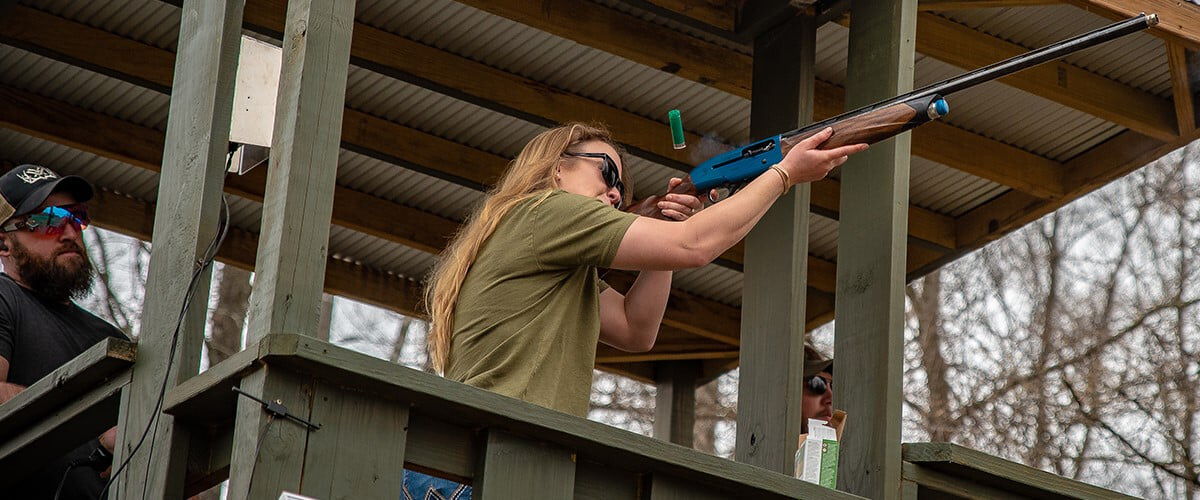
x=881 y=120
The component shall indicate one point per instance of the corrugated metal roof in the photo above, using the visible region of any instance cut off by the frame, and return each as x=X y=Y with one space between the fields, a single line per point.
x=84 y=88
x=583 y=70
x=1138 y=60
x=121 y=178
x=994 y=110
x=155 y=22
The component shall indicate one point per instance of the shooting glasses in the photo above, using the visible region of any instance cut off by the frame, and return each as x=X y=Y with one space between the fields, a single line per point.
x=612 y=175
x=51 y=220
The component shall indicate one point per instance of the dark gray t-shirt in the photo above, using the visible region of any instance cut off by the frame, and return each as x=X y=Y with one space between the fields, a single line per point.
x=37 y=337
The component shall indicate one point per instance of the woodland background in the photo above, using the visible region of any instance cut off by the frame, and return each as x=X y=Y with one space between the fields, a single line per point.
x=1071 y=345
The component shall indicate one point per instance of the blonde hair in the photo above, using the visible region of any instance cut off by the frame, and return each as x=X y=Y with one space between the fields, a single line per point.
x=529 y=174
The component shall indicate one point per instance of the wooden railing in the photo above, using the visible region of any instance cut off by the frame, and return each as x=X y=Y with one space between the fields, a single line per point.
x=377 y=418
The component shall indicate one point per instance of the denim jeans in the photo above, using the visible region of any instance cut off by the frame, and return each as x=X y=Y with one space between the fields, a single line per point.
x=418 y=486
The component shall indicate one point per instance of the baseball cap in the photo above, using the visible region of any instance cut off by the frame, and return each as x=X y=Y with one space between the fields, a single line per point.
x=815 y=362
x=25 y=187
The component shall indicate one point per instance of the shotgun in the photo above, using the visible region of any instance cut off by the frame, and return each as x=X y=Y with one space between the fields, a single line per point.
x=878 y=121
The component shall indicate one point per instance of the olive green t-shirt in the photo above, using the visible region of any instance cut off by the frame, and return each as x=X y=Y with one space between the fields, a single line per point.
x=528 y=314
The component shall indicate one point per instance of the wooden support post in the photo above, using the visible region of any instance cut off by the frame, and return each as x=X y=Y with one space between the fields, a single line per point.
x=773 y=300
x=515 y=467
x=185 y=223
x=675 y=401
x=298 y=203
x=869 y=320
x=1185 y=84
x=269 y=452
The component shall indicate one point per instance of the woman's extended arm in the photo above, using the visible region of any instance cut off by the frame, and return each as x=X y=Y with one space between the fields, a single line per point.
x=651 y=244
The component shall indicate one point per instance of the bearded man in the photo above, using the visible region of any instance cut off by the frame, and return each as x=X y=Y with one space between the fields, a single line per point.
x=41 y=328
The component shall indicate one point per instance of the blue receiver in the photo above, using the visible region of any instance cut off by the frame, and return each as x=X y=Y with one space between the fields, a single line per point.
x=737 y=166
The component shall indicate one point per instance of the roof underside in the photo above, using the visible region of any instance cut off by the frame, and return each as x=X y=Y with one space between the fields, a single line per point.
x=994 y=112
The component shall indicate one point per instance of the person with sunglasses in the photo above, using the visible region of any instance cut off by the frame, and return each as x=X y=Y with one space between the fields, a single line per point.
x=46 y=268
x=817 y=400
x=516 y=303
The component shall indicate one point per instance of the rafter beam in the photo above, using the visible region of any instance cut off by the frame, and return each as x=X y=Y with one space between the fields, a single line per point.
x=716 y=13
x=1179 y=21
x=1185 y=82
x=927 y=5
x=1060 y=82
x=938 y=142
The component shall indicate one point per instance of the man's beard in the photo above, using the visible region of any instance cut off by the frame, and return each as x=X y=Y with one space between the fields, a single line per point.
x=48 y=279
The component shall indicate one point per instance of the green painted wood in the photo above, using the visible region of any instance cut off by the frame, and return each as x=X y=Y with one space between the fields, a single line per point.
x=675 y=401
x=872 y=237
x=61 y=430
x=107 y=359
x=189 y=197
x=290 y=268
x=359 y=450
x=515 y=467
x=669 y=488
x=983 y=470
x=776 y=263
x=208 y=458
x=909 y=490
x=438 y=447
x=465 y=407
x=934 y=483
x=596 y=481
x=268 y=453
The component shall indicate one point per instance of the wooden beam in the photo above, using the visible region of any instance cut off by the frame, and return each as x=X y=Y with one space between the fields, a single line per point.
x=872 y=257
x=943 y=5
x=773 y=295
x=1179 y=21
x=615 y=32
x=716 y=13
x=675 y=401
x=304 y=154
x=189 y=193
x=1059 y=81
x=1184 y=85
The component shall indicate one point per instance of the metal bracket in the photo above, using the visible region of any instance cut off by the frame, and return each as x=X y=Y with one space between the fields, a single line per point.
x=277 y=409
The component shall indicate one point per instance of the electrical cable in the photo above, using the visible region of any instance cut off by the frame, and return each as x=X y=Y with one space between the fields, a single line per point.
x=209 y=256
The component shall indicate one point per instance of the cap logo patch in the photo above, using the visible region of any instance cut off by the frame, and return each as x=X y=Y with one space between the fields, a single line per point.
x=34 y=174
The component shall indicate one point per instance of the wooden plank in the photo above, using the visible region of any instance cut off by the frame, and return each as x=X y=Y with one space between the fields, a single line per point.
x=716 y=13
x=304 y=153
x=359 y=450
x=642 y=41
x=967 y=465
x=107 y=359
x=1059 y=81
x=773 y=294
x=871 y=257
x=268 y=453
x=474 y=407
x=435 y=446
x=208 y=458
x=189 y=194
x=516 y=467
x=596 y=481
x=1183 y=87
x=675 y=401
x=669 y=488
x=944 y=5
x=916 y=476
x=1178 y=21
x=61 y=430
